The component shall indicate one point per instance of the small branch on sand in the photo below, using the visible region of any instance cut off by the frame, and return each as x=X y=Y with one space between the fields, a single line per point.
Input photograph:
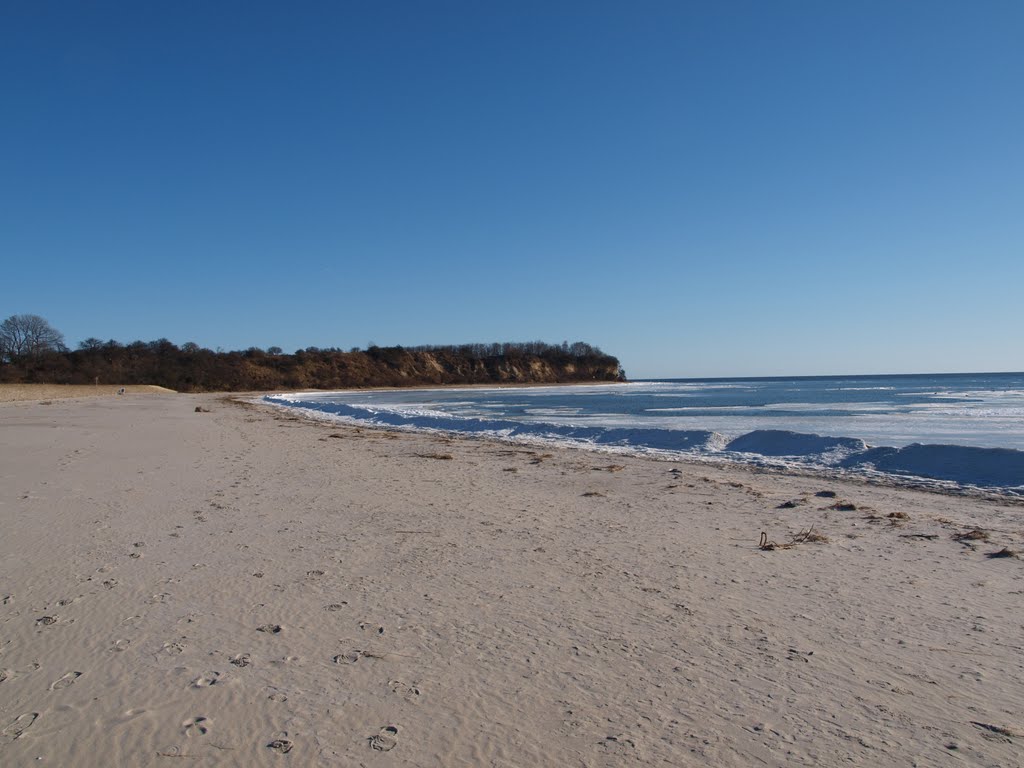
x=804 y=536
x=996 y=729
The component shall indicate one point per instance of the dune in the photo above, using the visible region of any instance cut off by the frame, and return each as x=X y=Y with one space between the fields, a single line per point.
x=19 y=392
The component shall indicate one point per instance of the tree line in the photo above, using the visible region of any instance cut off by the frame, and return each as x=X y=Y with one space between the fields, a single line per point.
x=33 y=352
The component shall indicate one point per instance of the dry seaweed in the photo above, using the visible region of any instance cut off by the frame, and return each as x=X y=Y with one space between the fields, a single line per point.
x=766 y=545
x=1004 y=552
x=973 y=535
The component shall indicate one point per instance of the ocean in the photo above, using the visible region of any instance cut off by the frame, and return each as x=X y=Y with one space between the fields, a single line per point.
x=944 y=430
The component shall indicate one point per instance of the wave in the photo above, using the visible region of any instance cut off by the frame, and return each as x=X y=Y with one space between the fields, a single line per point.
x=778 y=442
x=858 y=389
x=964 y=465
x=1000 y=469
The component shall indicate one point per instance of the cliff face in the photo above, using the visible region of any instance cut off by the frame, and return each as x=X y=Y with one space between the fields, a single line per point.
x=191 y=369
x=397 y=367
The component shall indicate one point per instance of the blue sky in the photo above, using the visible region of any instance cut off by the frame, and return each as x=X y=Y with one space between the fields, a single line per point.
x=700 y=188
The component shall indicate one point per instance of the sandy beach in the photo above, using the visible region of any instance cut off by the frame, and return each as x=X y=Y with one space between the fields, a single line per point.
x=40 y=392
x=241 y=587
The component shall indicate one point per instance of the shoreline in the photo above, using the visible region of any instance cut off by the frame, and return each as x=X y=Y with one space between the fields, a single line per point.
x=222 y=585
x=28 y=393
x=887 y=479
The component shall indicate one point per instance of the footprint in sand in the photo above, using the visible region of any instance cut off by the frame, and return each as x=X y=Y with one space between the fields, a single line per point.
x=349 y=657
x=120 y=645
x=205 y=680
x=45 y=621
x=314 y=574
x=368 y=627
x=281 y=745
x=270 y=629
x=65 y=681
x=3 y=675
x=620 y=746
x=335 y=606
x=241 y=660
x=196 y=726
x=18 y=726
x=386 y=740
x=405 y=690
x=278 y=697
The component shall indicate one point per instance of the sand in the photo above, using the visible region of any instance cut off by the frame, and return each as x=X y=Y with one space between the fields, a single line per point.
x=241 y=587
x=21 y=392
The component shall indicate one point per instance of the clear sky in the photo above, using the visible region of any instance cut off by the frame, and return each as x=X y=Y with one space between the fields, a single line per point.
x=700 y=188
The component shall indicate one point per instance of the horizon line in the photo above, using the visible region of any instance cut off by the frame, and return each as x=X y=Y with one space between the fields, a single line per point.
x=778 y=377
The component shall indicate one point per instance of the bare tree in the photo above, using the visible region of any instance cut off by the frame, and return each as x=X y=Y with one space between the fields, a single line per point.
x=28 y=336
x=92 y=344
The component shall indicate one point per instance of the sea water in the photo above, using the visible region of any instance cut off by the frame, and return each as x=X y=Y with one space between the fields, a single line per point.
x=946 y=429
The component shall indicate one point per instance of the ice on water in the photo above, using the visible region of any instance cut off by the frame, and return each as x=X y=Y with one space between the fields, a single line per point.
x=962 y=429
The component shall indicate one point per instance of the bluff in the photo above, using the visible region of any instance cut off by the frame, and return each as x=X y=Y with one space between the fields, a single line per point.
x=190 y=368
